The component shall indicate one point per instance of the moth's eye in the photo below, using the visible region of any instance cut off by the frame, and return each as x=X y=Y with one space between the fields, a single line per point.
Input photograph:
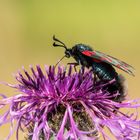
x=67 y=54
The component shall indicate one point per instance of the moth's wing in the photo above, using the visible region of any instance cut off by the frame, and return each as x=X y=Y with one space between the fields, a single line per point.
x=110 y=60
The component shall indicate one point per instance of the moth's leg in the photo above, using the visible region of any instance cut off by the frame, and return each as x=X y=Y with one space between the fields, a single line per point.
x=74 y=64
x=94 y=73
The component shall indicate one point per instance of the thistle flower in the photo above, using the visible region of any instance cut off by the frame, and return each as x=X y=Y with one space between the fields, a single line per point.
x=67 y=105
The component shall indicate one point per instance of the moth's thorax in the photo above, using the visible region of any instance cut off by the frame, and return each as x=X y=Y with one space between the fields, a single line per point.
x=77 y=53
x=81 y=47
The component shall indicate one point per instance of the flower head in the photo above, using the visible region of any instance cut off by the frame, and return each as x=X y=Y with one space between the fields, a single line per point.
x=66 y=105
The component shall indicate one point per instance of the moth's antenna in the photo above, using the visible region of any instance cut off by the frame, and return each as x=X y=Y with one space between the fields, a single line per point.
x=58 y=45
x=59 y=61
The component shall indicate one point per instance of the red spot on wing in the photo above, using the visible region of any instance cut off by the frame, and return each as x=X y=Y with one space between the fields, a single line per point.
x=96 y=60
x=118 y=66
x=88 y=53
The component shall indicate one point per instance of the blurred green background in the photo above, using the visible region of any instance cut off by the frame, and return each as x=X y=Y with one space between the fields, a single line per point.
x=27 y=27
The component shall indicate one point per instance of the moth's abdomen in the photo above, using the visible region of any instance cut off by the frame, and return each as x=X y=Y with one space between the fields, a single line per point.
x=104 y=71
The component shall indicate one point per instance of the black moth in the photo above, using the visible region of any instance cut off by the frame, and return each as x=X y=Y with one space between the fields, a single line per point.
x=101 y=64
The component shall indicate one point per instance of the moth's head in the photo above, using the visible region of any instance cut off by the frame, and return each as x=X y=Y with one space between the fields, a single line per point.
x=68 y=53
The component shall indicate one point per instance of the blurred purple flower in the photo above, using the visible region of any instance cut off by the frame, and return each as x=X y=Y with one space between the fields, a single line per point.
x=66 y=105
